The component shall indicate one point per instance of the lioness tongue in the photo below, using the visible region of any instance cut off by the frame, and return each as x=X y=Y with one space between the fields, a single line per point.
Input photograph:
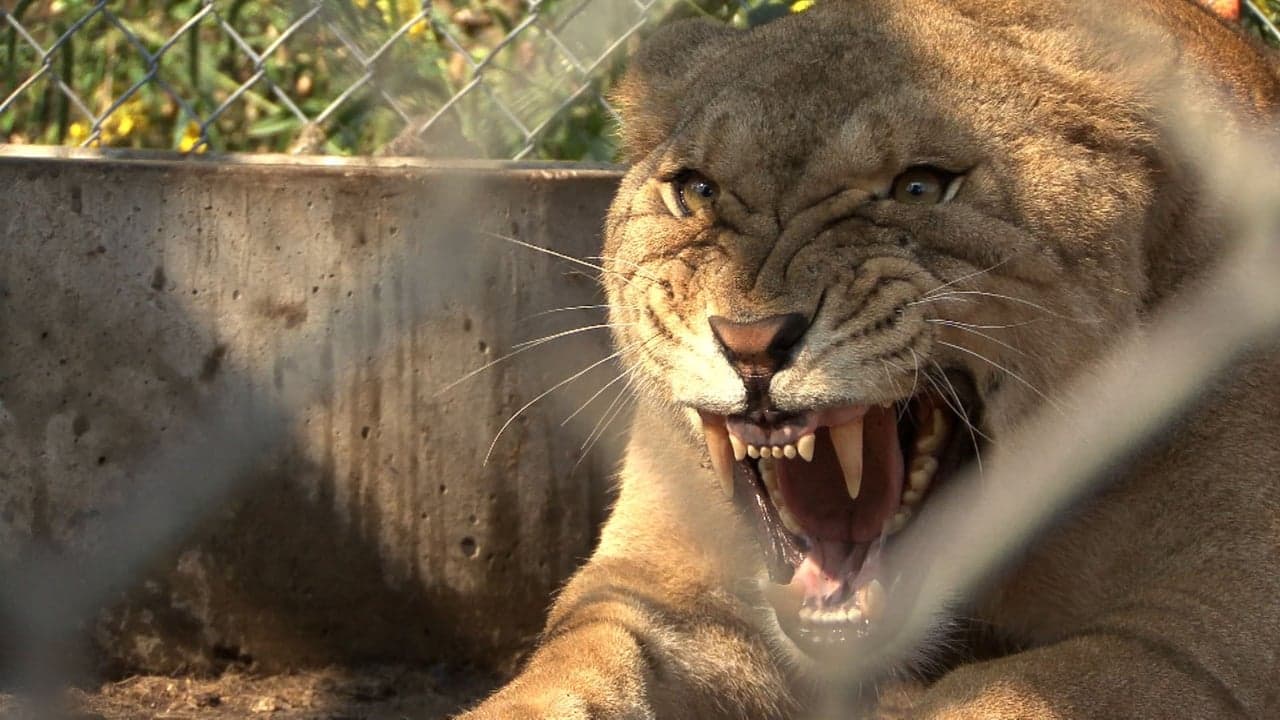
x=818 y=493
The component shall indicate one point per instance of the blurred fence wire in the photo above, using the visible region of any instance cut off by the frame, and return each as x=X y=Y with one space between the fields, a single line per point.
x=506 y=80
x=492 y=78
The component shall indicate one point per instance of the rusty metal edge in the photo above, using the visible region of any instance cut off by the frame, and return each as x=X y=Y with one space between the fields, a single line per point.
x=308 y=163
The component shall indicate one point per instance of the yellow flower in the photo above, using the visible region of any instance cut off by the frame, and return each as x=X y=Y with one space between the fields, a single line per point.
x=77 y=133
x=418 y=29
x=362 y=4
x=800 y=6
x=190 y=138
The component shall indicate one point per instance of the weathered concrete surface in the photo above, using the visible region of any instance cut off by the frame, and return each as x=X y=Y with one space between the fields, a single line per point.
x=141 y=298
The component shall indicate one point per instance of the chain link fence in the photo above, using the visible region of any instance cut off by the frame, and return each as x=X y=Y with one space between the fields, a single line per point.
x=451 y=78
x=492 y=78
x=517 y=80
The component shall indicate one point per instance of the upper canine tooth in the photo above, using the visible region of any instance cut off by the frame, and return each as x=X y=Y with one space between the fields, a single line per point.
x=777 y=452
x=721 y=454
x=789 y=451
x=871 y=600
x=753 y=451
x=739 y=447
x=804 y=446
x=847 y=440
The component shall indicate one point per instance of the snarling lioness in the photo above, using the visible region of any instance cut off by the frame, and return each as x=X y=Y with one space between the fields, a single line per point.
x=857 y=248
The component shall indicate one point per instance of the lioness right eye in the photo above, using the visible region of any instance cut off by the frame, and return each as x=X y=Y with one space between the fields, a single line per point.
x=694 y=193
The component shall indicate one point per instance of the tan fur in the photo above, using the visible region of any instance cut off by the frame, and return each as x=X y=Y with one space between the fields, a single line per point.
x=1159 y=599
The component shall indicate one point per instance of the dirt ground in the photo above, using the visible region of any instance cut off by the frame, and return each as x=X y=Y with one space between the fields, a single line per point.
x=378 y=694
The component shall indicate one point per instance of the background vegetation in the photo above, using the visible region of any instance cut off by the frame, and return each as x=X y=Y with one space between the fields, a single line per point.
x=204 y=90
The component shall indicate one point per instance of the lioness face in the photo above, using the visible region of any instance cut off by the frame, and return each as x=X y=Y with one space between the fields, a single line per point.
x=856 y=245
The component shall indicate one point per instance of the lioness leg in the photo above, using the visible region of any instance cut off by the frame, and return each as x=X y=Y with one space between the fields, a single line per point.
x=1094 y=676
x=653 y=626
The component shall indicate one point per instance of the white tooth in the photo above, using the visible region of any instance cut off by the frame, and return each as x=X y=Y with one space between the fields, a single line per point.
x=789 y=451
x=927 y=443
x=847 y=439
x=789 y=521
x=926 y=466
x=804 y=446
x=886 y=405
x=739 y=447
x=871 y=600
x=919 y=480
x=852 y=615
x=911 y=497
x=753 y=451
x=777 y=452
x=931 y=436
x=899 y=520
x=721 y=454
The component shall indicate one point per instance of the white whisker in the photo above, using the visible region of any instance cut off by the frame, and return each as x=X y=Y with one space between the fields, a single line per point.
x=606 y=386
x=522 y=347
x=1010 y=298
x=1008 y=372
x=562 y=256
x=975 y=273
x=915 y=380
x=606 y=418
x=550 y=390
x=567 y=333
x=569 y=308
x=958 y=409
x=979 y=333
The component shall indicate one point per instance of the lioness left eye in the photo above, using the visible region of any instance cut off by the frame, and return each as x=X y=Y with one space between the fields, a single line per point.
x=924 y=185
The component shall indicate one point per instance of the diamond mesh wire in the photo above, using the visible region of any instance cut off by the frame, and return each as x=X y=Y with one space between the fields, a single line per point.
x=499 y=78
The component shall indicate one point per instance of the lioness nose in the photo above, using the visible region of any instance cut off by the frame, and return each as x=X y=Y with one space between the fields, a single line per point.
x=761 y=347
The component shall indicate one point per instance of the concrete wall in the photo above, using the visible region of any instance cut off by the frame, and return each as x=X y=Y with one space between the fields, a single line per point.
x=221 y=437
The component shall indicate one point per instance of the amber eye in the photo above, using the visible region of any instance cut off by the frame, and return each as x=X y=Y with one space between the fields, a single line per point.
x=695 y=193
x=922 y=185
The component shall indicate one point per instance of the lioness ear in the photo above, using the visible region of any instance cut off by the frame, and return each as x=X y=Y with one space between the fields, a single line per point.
x=658 y=78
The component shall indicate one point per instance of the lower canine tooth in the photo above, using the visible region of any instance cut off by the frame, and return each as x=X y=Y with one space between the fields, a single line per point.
x=739 y=447
x=769 y=474
x=721 y=454
x=789 y=521
x=847 y=439
x=804 y=446
x=871 y=600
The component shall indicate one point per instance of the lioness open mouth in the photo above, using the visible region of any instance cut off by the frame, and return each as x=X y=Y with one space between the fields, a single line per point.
x=827 y=489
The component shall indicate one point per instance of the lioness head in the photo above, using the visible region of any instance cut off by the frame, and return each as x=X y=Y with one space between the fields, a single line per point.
x=858 y=244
